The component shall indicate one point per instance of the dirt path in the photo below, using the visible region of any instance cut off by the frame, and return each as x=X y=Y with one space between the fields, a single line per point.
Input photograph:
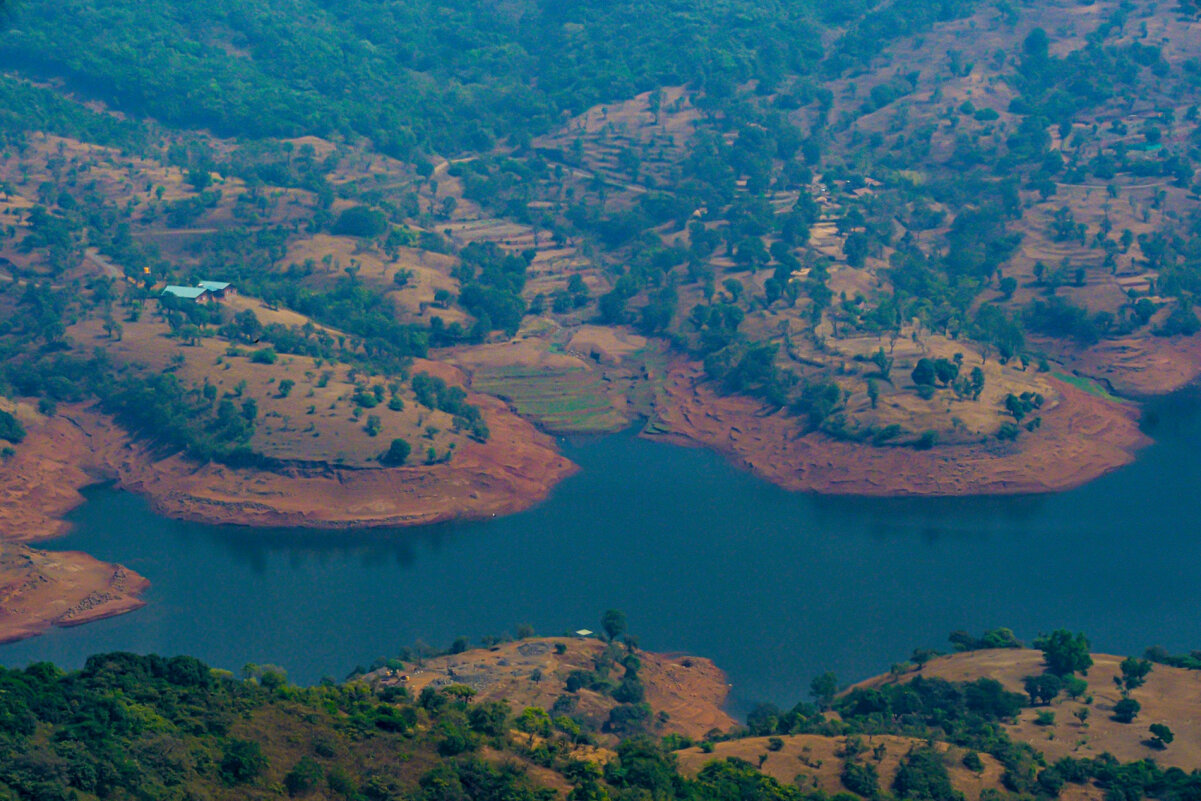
x=106 y=266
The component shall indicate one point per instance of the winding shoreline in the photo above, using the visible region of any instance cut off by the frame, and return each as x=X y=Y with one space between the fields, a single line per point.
x=1083 y=437
x=81 y=447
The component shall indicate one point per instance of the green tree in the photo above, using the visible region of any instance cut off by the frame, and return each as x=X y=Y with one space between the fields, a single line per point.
x=361 y=221
x=397 y=453
x=613 y=624
x=861 y=779
x=924 y=374
x=994 y=638
x=823 y=688
x=242 y=762
x=489 y=718
x=1126 y=710
x=1161 y=736
x=945 y=371
x=11 y=428
x=977 y=382
x=1043 y=688
x=1065 y=653
x=303 y=777
x=883 y=363
x=1134 y=673
x=924 y=777
x=534 y=720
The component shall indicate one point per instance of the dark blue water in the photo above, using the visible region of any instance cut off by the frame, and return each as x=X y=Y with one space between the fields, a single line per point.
x=776 y=587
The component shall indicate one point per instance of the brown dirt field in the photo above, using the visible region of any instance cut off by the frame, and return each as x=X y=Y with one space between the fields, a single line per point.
x=1171 y=696
x=430 y=272
x=267 y=315
x=1082 y=438
x=314 y=423
x=605 y=131
x=524 y=351
x=321 y=147
x=1141 y=366
x=956 y=421
x=585 y=379
x=691 y=690
x=607 y=345
x=815 y=761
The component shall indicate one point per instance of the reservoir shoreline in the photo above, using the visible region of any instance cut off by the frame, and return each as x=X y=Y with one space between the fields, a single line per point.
x=706 y=559
x=1083 y=437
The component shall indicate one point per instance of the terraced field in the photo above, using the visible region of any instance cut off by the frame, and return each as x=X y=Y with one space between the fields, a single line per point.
x=572 y=400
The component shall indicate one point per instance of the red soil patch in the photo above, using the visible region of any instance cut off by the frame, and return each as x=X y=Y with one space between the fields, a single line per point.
x=40 y=589
x=1082 y=438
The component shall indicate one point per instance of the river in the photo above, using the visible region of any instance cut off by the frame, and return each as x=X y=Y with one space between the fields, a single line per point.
x=775 y=587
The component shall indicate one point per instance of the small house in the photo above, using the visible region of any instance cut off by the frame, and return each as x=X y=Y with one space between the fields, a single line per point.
x=196 y=294
x=218 y=289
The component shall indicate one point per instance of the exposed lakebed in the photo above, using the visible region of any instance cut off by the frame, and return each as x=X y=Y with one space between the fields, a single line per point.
x=774 y=586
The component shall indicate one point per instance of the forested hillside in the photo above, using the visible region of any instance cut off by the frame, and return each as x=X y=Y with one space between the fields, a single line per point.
x=148 y=727
x=900 y=225
x=405 y=75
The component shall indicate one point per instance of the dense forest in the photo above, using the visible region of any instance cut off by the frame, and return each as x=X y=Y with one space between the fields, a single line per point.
x=416 y=75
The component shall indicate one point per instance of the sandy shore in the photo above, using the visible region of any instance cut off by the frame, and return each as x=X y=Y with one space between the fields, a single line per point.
x=40 y=589
x=1082 y=437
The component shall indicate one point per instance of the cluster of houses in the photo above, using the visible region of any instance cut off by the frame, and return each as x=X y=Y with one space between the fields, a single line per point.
x=203 y=292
